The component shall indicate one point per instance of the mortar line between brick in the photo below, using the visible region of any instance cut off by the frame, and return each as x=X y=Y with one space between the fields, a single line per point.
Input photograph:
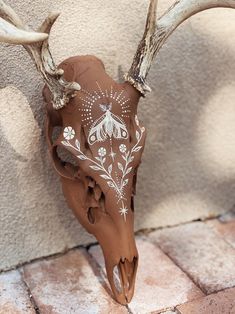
x=186 y=274
x=175 y=262
x=46 y=257
x=148 y=231
x=30 y=295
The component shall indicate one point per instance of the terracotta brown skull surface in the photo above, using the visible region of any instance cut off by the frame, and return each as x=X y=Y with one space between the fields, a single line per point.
x=93 y=119
x=100 y=129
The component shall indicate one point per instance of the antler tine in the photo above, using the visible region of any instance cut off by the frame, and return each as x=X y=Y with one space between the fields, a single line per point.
x=12 y=35
x=158 y=30
x=8 y=14
x=61 y=90
x=11 y=28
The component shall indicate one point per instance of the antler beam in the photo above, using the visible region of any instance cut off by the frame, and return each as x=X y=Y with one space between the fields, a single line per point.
x=38 y=48
x=158 y=30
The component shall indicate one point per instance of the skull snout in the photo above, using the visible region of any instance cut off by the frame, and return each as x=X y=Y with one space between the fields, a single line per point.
x=121 y=276
x=121 y=261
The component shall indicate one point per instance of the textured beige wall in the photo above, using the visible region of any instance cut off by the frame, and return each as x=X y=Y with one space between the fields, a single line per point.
x=188 y=168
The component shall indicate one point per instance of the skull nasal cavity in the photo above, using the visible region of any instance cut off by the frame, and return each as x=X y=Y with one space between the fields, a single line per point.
x=132 y=204
x=96 y=202
x=91 y=215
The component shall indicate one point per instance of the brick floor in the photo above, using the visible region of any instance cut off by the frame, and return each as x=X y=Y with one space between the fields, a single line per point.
x=207 y=258
x=160 y=283
x=224 y=229
x=14 y=298
x=69 y=284
x=219 y=303
x=174 y=263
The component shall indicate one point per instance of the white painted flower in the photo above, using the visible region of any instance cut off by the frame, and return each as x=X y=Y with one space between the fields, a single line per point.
x=102 y=152
x=122 y=148
x=69 y=133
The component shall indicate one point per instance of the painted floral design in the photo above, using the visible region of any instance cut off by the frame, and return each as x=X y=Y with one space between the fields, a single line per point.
x=122 y=148
x=102 y=152
x=100 y=164
x=69 y=133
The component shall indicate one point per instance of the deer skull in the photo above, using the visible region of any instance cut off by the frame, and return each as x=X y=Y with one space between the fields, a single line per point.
x=99 y=128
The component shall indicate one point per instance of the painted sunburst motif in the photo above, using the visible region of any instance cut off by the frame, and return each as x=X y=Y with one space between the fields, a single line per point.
x=123 y=211
x=91 y=98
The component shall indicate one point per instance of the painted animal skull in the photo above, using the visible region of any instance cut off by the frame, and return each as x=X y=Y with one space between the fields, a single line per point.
x=100 y=129
x=98 y=126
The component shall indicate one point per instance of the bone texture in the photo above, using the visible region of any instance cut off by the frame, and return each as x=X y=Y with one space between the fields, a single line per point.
x=61 y=90
x=12 y=35
x=158 y=30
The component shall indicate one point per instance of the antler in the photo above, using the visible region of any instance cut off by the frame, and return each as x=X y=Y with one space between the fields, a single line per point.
x=158 y=30
x=38 y=48
x=12 y=35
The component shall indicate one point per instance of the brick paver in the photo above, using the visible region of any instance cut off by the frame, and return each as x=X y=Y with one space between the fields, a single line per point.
x=160 y=283
x=69 y=284
x=74 y=283
x=219 y=303
x=207 y=258
x=14 y=298
x=224 y=229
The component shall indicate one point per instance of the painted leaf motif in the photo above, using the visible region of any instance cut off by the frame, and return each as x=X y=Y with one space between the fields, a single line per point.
x=120 y=166
x=95 y=168
x=65 y=143
x=125 y=182
x=110 y=184
x=98 y=158
x=81 y=157
x=110 y=169
x=131 y=159
x=137 y=135
x=124 y=157
x=104 y=176
x=128 y=170
x=138 y=148
x=77 y=143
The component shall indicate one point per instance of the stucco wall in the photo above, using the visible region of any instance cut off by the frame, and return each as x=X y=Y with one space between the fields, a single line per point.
x=188 y=168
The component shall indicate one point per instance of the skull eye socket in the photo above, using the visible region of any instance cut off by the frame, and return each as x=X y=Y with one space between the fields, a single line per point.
x=64 y=162
x=65 y=156
x=56 y=131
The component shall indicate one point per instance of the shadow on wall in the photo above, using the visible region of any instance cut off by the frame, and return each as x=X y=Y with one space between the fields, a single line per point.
x=179 y=173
